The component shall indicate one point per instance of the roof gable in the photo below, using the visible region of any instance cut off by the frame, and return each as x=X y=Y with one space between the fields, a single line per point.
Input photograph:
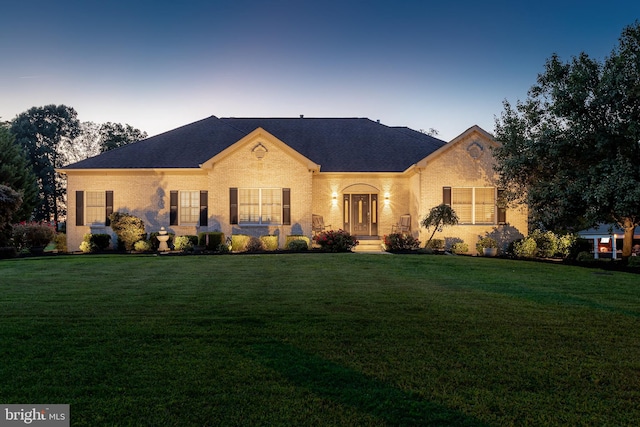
x=255 y=139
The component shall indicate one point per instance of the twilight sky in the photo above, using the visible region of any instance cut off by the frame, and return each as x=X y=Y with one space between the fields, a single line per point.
x=158 y=64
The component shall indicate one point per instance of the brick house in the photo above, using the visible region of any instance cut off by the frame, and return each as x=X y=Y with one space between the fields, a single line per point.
x=269 y=176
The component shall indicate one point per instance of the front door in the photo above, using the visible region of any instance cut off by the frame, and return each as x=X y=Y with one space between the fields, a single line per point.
x=360 y=214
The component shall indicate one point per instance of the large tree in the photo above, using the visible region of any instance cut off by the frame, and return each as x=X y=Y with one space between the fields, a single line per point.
x=572 y=149
x=41 y=131
x=115 y=135
x=86 y=144
x=16 y=173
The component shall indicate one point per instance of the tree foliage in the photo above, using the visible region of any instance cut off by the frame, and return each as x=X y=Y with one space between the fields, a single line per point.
x=115 y=135
x=41 y=131
x=439 y=217
x=85 y=145
x=10 y=201
x=572 y=149
x=16 y=172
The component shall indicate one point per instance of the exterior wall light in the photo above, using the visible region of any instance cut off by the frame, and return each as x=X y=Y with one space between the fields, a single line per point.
x=334 y=200
x=386 y=199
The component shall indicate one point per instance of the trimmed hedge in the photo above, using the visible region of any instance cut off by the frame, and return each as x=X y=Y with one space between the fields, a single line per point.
x=211 y=239
x=269 y=242
x=239 y=242
x=294 y=237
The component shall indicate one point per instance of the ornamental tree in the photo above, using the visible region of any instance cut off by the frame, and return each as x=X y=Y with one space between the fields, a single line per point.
x=439 y=217
x=572 y=149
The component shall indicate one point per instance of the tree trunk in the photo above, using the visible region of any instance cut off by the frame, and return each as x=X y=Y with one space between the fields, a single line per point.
x=628 y=226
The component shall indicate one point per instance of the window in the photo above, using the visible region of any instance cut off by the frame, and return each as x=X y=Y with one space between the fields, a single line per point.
x=474 y=205
x=260 y=205
x=95 y=202
x=189 y=207
x=93 y=207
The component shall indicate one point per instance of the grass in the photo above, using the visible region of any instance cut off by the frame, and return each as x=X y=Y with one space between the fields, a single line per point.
x=325 y=339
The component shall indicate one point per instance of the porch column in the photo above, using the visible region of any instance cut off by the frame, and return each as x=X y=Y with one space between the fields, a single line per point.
x=595 y=247
x=613 y=247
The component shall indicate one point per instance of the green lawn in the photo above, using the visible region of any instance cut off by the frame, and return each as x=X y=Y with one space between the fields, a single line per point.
x=320 y=339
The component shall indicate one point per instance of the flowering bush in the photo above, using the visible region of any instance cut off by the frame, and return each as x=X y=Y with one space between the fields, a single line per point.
x=32 y=235
x=335 y=241
x=400 y=242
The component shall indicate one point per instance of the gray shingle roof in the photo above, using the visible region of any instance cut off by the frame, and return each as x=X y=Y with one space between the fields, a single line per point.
x=337 y=144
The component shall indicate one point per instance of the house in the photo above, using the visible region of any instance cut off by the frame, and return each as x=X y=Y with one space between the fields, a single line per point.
x=261 y=176
x=607 y=240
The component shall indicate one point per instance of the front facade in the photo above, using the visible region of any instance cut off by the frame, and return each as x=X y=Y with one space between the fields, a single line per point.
x=269 y=176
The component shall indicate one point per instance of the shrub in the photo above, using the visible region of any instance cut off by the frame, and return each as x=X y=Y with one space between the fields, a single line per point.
x=585 y=256
x=86 y=247
x=294 y=237
x=210 y=239
x=239 y=242
x=183 y=243
x=142 y=246
x=270 y=242
x=395 y=242
x=565 y=244
x=128 y=228
x=525 y=248
x=546 y=242
x=254 y=245
x=95 y=242
x=435 y=245
x=102 y=241
x=297 y=245
x=634 y=261
x=223 y=248
x=61 y=242
x=8 y=252
x=580 y=245
x=32 y=235
x=335 y=241
x=459 y=248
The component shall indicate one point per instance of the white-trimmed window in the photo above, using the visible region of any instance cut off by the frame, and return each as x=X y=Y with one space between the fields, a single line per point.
x=260 y=206
x=95 y=205
x=189 y=207
x=474 y=205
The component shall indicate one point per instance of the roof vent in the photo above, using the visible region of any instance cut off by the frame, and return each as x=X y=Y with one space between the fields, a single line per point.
x=302 y=116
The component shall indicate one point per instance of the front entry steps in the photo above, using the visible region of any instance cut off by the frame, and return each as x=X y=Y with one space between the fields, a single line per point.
x=368 y=244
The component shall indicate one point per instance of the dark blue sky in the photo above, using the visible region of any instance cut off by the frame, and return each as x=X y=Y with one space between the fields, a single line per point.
x=158 y=65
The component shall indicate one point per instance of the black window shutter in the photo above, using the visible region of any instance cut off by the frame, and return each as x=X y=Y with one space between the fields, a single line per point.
x=233 y=205
x=173 y=208
x=446 y=195
x=286 y=206
x=204 y=211
x=108 y=207
x=79 y=207
x=502 y=208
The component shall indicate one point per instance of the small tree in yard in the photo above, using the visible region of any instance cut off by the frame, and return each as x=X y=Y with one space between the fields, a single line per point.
x=128 y=228
x=439 y=217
